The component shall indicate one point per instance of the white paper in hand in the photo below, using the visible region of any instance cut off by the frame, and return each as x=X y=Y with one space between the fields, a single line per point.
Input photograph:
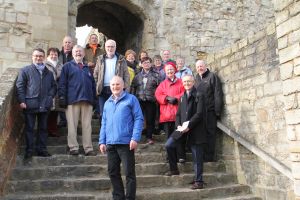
x=183 y=127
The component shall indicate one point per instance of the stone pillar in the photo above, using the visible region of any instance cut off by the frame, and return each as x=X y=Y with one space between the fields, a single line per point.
x=288 y=34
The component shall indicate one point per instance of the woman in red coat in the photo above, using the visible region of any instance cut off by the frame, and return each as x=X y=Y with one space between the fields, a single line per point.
x=168 y=94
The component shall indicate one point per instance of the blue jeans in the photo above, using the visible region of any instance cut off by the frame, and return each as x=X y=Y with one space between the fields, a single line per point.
x=42 y=135
x=197 y=154
x=115 y=155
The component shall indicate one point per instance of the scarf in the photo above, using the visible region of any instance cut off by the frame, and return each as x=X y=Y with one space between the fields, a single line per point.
x=94 y=47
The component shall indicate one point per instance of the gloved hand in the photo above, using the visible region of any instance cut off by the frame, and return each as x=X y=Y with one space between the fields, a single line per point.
x=171 y=100
x=62 y=102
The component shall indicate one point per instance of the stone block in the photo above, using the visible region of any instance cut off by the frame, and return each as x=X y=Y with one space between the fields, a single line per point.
x=281 y=4
x=22 y=18
x=17 y=41
x=11 y=17
x=283 y=42
x=291 y=85
x=288 y=26
x=262 y=46
x=274 y=74
x=286 y=70
x=281 y=16
x=35 y=20
x=290 y=102
x=271 y=29
x=2 y=14
x=294 y=37
x=273 y=88
x=297 y=70
x=242 y=43
x=224 y=62
x=292 y=116
x=259 y=91
x=289 y=53
x=257 y=36
x=294 y=8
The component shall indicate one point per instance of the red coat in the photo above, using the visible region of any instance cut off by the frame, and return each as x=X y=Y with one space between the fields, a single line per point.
x=168 y=88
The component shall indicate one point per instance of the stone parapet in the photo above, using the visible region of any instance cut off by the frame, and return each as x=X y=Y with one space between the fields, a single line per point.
x=11 y=124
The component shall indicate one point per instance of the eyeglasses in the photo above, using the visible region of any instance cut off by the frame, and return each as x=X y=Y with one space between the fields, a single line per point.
x=38 y=56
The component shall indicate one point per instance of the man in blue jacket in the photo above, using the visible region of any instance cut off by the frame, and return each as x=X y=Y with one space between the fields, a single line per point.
x=36 y=89
x=77 y=92
x=122 y=124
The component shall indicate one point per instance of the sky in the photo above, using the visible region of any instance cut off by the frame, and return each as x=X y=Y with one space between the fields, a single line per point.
x=82 y=33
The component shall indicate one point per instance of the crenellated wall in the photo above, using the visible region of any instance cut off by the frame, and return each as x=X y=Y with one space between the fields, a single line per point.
x=254 y=108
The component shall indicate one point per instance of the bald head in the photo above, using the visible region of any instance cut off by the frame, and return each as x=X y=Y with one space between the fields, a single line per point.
x=116 y=85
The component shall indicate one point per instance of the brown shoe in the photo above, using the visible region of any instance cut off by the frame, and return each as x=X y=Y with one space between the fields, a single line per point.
x=90 y=153
x=172 y=173
x=197 y=185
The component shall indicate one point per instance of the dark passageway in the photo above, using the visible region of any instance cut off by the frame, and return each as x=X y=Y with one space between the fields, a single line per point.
x=114 y=21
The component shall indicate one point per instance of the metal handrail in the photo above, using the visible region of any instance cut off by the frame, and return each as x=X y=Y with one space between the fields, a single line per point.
x=257 y=151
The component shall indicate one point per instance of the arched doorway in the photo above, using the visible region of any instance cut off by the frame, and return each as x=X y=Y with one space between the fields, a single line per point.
x=114 y=21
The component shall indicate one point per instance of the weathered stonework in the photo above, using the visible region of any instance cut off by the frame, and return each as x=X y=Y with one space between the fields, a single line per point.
x=11 y=125
x=254 y=108
x=288 y=29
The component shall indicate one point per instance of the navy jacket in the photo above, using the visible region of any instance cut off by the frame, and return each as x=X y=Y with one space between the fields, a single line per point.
x=76 y=84
x=36 y=90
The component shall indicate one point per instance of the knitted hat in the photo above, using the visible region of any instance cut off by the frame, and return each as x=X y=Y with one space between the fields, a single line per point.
x=172 y=64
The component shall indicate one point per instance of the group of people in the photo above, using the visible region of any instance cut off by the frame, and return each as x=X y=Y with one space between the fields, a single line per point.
x=75 y=83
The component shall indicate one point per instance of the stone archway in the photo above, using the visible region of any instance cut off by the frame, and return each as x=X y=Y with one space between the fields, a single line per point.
x=115 y=21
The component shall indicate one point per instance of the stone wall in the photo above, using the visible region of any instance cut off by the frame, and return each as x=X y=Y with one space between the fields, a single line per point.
x=25 y=25
x=11 y=125
x=189 y=28
x=254 y=108
x=288 y=34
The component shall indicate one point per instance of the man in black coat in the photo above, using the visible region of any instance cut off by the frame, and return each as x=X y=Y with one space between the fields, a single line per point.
x=208 y=84
x=190 y=118
x=36 y=89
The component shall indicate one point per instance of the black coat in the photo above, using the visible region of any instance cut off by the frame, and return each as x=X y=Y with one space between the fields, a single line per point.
x=192 y=109
x=35 y=90
x=146 y=93
x=210 y=86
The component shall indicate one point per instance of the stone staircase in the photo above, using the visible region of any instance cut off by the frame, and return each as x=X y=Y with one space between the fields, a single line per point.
x=65 y=177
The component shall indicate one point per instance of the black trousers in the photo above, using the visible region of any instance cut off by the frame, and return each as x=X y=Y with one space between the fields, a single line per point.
x=211 y=126
x=42 y=135
x=169 y=127
x=115 y=155
x=149 y=111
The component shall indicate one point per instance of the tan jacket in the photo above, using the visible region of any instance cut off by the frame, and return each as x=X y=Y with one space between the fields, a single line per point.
x=121 y=70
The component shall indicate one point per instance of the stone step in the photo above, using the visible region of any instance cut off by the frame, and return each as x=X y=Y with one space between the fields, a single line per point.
x=54 y=172
x=243 y=197
x=63 y=149
x=226 y=191
x=98 y=183
x=62 y=140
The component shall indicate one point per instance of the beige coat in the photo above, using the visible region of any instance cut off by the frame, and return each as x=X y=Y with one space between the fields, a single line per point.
x=121 y=70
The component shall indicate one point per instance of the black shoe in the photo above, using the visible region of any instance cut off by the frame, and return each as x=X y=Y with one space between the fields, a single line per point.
x=90 y=153
x=43 y=154
x=74 y=152
x=181 y=160
x=28 y=156
x=197 y=185
x=172 y=173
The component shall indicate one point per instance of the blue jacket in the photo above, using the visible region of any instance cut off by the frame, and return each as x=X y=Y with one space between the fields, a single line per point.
x=182 y=72
x=35 y=90
x=122 y=121
x=76 y=84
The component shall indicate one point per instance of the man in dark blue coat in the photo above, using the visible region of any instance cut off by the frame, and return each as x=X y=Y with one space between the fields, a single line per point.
x=36 y=89
x=77 y=92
